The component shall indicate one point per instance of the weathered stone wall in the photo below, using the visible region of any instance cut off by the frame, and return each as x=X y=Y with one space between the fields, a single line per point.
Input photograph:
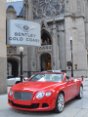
x=75 y=30
x=3 y=64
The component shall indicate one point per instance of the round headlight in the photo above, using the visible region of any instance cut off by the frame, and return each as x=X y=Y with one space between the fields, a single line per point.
x=10 y=92
x=48 y=93
x=40 y=95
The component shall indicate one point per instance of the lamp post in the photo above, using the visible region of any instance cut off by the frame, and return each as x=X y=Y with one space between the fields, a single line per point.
x=21 y=49
x=71 y=47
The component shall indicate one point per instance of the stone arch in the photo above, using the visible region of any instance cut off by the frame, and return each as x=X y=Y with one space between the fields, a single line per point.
x=46 y=37
x=13 y=66
x=11 y=9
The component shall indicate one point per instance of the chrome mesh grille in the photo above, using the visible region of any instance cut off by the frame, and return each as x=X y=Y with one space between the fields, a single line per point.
x=23 y=95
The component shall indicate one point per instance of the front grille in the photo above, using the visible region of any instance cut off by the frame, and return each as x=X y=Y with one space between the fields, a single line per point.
x=23 y=95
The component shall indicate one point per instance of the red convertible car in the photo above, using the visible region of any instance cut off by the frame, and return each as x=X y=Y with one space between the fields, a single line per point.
x=45 y=91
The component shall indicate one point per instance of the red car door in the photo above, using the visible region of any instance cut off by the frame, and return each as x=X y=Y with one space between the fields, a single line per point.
x=70 y=88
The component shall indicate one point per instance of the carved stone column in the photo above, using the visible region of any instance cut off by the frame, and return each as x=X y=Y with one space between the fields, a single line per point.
x=56 y=61
x=31 y=51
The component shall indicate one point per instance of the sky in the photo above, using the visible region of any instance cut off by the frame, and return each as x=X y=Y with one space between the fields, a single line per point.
x=13 y=0
x=17 y=5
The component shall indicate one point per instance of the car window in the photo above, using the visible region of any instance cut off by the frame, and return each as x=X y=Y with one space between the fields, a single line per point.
x=56 y=78
x=36 y=77
x=47 y=77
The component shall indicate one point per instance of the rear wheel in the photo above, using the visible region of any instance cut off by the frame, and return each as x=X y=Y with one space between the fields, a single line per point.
x=60 y=103
x=80 y=95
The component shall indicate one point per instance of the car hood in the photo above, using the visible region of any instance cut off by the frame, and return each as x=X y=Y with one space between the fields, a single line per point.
x=34 y=86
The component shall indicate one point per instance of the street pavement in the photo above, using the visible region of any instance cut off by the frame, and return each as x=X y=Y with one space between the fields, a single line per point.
x=74 y=108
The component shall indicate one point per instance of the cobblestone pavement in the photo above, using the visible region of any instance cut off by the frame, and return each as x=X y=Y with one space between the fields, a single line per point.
x=75 y=108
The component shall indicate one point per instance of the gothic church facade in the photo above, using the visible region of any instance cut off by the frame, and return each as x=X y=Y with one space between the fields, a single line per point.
x=64 y=26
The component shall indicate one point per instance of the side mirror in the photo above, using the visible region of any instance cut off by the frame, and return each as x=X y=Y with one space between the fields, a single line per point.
x=25 y=79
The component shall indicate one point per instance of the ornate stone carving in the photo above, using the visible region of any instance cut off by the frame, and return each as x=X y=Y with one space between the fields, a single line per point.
x=48 y=8
x=80 y=7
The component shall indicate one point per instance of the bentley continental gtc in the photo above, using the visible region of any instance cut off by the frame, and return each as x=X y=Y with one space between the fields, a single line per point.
x=45 y=91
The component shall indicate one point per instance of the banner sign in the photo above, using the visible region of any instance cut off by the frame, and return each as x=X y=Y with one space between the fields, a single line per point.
x=21 y=32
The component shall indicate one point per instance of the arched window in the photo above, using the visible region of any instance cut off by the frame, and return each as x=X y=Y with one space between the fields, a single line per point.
x=13 y=66
x=46 y=38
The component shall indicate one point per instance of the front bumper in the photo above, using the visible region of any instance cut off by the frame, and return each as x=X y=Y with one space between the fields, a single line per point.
x=45 y=104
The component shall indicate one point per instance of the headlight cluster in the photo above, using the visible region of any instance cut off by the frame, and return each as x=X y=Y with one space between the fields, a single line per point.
x=48 y=93
x=41 y=94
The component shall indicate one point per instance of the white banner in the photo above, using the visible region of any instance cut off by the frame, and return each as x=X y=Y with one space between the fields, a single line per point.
x=21 y=32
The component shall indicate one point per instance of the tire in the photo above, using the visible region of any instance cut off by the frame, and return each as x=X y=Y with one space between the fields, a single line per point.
x=80 y=95
x=60 y=103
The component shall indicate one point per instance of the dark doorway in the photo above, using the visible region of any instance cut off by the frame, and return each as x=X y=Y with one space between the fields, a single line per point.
x=13 y=66
x=45 y=61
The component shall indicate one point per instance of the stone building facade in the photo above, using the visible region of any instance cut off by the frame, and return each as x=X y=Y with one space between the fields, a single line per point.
x=3 y=59
x=61 y=21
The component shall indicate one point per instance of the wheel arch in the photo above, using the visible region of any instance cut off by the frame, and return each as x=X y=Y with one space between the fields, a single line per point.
x=61 y=91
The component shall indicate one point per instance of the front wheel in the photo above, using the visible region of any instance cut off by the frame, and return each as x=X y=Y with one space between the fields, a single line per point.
x=60 y=103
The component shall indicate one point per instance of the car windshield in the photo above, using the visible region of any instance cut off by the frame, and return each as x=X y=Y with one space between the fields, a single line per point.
x=47 y=77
